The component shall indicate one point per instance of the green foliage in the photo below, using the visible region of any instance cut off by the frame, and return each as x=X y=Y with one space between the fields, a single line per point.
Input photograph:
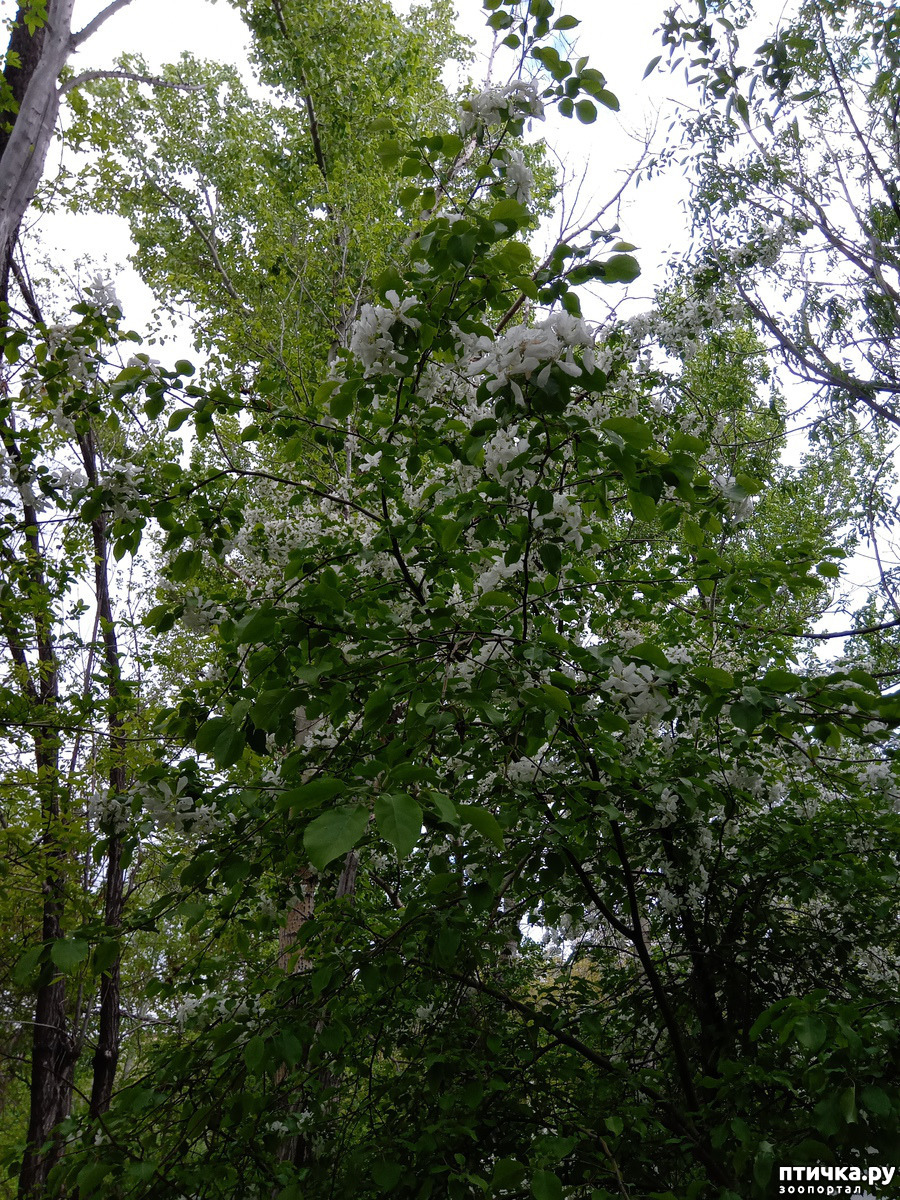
x=492 y=831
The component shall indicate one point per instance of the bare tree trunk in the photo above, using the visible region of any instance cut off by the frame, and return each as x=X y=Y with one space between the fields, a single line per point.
x=25 y=151
x=106 y=1056
x=22 y=56
x=34 y=83
x=53 y=1055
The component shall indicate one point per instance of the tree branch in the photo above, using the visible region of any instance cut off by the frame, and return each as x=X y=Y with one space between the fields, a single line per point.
x=94 y=24
x=153 y=80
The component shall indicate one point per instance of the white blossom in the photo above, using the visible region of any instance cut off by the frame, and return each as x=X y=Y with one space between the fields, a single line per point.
x=496 y=105
x=528 y=349
x=372 y=337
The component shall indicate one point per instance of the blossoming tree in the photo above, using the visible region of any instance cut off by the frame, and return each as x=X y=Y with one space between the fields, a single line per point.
x=527 y=854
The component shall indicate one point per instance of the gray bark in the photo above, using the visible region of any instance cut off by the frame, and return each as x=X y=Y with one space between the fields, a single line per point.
x=38 y=93
x=25 y=153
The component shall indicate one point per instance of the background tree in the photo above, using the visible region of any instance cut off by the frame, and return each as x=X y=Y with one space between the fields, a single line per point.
x=795 y=160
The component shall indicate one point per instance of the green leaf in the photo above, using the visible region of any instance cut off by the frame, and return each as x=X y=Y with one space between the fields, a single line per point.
x=545 y=1185
x=341 y=404
x=399 y=821
x=779 y=680
x=652 y=65
x=449 y=533
x=509 y=211
x=652 y=654
x=67 y=954
x=762 y=1164
x=876 y=1100
x=387 y=1175
x=745 y=715
x=229 y=746
x=765 y=1019
x=178 y=418
x=483 y=821
x=508 y=1173
x=586 y=111
x=259 y=626
x=334 y=833
x=498 y=599
x=555 y=698
x=105 y=955
x=254 y=1054
x=90 y=1178
x=621 y=268
x=551 y=556
x=811 y=1032
x=209 y=733
x=185 y=565
x=643 y=506
x=309 y=795
x=27 y=965
x=446 y=809
x=633 y=432
x=716 y=676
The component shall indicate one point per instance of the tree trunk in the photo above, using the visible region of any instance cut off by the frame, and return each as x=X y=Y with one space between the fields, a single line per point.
x=23 y=56
x=106 y=1056
x=53 y=1055
x=24 y=148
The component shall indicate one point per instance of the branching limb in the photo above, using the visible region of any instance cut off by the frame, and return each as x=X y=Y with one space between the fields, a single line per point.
x=134 y=77
x=94 y=24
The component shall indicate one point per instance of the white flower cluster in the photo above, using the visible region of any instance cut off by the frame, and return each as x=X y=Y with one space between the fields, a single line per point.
x=30 y=496
x=685 y=325
x=679 y=654
x=566 y=519
x=667 y=808
x=496 y=105
x=61 y=421
x=518 y=176
x=146 y=363
x=200 y=613
x=125 y=483
x=112 y=813
x=877 y=964
x=636 y=686
x=742 y=509
x=764 y=247
x=523 y=770
x=81 y=363
x=103 y=293
x=70 y=480
x=497 y=573
x=206 y=1009
x=174 y=809
x=491 y=650
x=501 y=449
x=372 y=338
x=525 y=349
